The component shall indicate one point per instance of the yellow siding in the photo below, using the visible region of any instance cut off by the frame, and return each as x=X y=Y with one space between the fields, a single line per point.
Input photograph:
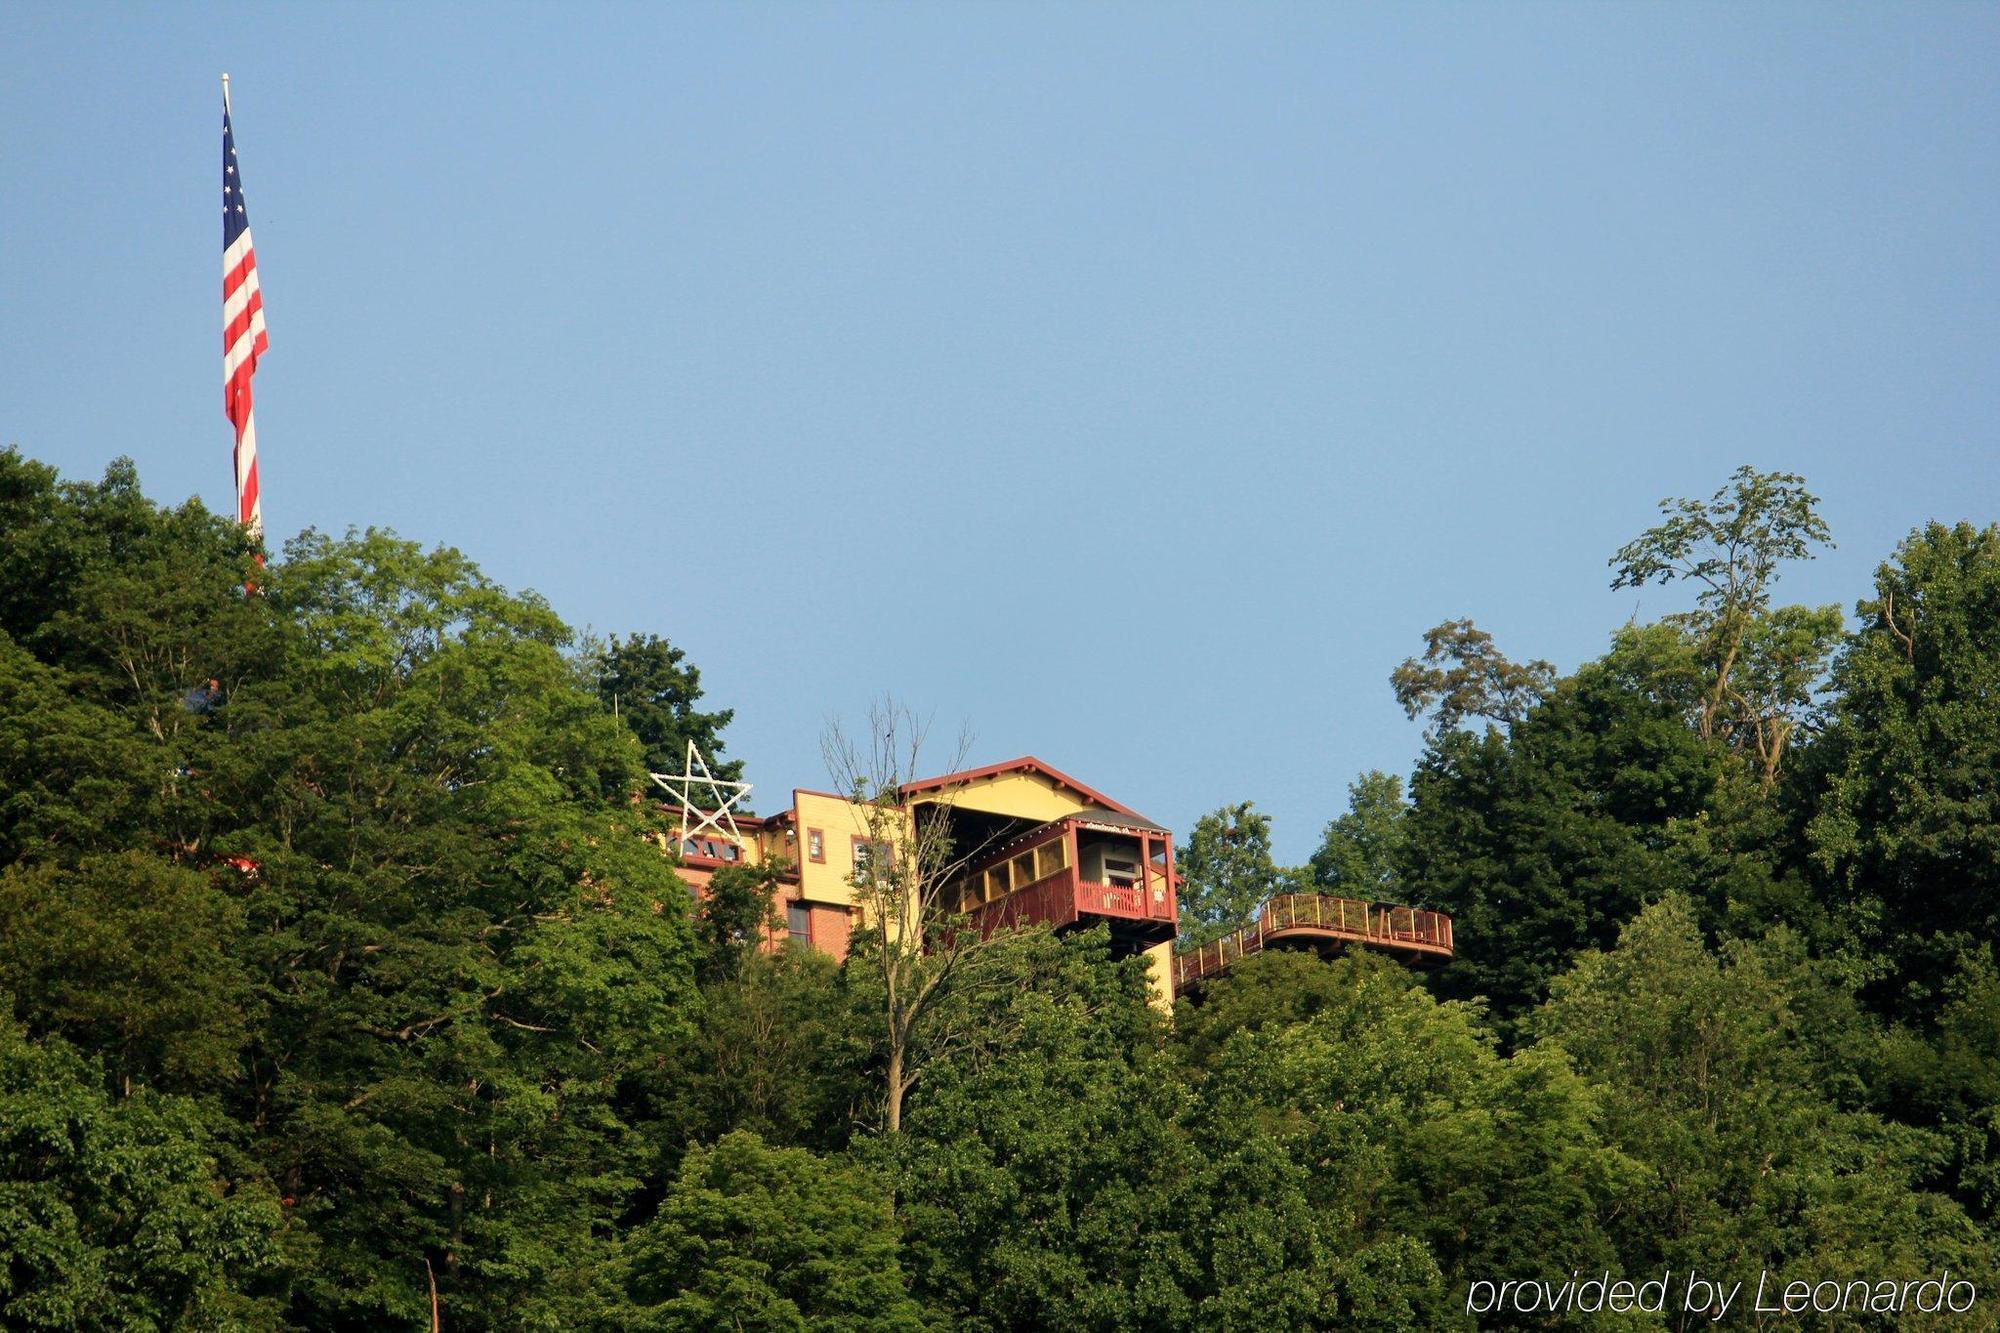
x=1020 y=795
x=1160 y=972
x=842 y=822
x=1017 y=795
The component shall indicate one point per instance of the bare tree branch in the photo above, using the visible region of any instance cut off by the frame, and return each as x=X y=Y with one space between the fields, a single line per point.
x=920 y=946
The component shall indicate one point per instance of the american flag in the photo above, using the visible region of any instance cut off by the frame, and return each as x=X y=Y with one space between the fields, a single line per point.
x=243 y=337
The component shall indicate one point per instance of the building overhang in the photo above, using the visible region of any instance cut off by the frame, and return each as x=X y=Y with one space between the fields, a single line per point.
x=1026 y=765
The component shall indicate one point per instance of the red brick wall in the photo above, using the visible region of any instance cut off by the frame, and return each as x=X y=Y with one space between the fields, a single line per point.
x=829 y=924
x=830 y=930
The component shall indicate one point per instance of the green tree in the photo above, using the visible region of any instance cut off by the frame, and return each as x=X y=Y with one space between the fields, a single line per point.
x=132 y=957
x=1753 y=1158
x=781 y=1047
x=364 y=974
x=1358 y=853
x=1945 y=1077
x=735 y=917
x=1906 y=828
x=653 y=688
x=150 y=601
x=1271 y=991
x=141 y=600
x=1759 y=667
x=116 y=1215
x=111 y=609
x=1033 y=1174
x=1226 y=873
x=753 y=1236
x=1785 y=655
x=1462 y=675
x=465 y=949
x=1423 y=1160
x=1543 y=841
x=74 y=776
x=388 y=905
x=1740 y=852
x=42 y=543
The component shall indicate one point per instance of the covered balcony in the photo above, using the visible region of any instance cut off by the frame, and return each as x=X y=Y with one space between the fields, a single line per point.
x=1096 y=866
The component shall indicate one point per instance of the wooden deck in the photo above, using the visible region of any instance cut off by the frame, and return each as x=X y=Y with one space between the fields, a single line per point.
x=1319 y=920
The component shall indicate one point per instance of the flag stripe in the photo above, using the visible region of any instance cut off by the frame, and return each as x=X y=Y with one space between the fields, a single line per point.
x=242 y=276
x=245 y=337
x=242 y=322
x=238 y=302
x=249 y=512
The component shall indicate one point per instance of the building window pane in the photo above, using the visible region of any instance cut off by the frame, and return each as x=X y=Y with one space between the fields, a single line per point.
x=868 y=855
x=798 y=922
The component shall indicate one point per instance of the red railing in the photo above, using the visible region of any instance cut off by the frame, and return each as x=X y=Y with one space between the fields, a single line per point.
x=1060 y=899
x=1110 y=899
x=1125 y=900
x=1050 y=900
x=1319 y=916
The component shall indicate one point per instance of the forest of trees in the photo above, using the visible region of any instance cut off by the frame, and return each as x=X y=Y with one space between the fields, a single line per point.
x=340 y=988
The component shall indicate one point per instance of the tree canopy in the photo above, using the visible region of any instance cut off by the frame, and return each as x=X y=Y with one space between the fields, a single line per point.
x=345 y=984
x=1227 y=872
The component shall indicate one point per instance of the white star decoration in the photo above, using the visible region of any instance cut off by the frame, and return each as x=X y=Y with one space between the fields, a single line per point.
x=707 y=802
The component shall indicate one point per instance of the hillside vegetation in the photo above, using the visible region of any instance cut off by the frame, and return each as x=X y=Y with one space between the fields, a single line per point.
x=349 y=989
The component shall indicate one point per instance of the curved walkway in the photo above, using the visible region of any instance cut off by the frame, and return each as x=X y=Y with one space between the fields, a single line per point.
x=1320 y=919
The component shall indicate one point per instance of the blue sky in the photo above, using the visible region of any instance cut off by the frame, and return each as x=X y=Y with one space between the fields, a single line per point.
x=1135 y=383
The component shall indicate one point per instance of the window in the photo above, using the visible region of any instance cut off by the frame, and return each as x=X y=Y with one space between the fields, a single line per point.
x=714 y=849
x=798 y=922
x=867 y=854
x=816 y=846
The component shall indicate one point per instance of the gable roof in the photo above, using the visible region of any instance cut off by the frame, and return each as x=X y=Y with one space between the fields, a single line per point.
x=1112 y=819
x=1025 y=764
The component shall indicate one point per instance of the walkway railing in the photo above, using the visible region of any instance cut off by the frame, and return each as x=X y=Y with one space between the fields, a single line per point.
x=1306 y=917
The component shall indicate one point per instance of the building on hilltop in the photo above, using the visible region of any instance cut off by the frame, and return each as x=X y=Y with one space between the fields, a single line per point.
x=1038 y=847
x=1032 y=845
